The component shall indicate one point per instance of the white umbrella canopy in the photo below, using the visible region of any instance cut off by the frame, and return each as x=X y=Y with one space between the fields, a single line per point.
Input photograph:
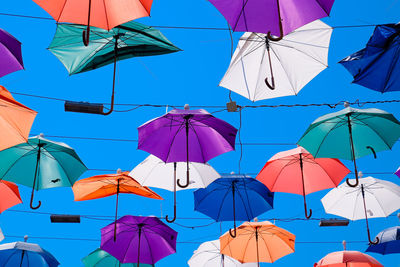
x=286 y=65
x=371 y=198
x=208 y=255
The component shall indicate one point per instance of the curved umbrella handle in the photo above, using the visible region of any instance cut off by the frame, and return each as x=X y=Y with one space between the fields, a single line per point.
x=272 y=85
x=86 y=35
x=373 y=151
x=269 y=35
x=374 y=242
x=31 y=204
x=233 y=233
x=308 y=216
x=173 y=219
x=187 y=177
x=352 y=185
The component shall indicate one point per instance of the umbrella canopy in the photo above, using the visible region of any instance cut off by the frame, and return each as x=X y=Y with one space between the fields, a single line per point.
x=186 y=135
x=377 y=66
x=350 y=134
x=1 y=235
x=296 y=171
x=209 y=255
x=258 y=242
x=154 y=172
x=25 y=254
x=41 y=164
x=15 y=120
x=100 y=258
x=378 y=198
x=10 y=54
x=129 y=40
x=262 y=69
x=389 y=242
x=276 y=17
x=9 y=195
x=233 y=197
x=347 y=259
x=140 y=240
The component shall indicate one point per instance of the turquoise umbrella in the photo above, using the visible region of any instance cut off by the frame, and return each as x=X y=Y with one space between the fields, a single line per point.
x=101 y=258
x=350 y=134
x=128 y=40
x=41 y=164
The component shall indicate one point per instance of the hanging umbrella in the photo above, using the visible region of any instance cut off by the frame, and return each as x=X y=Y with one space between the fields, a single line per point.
x=100 y=258
x=154 y=172
x=233 y=197
x=261 y=69
x=378 y=198
x=140 y=240
x=1 y=235
x=196 y=132
x=10 y=54
x=24 y=254
x=377 y=65
x=105 y=185
x=274 y=17
x=209 y=255
x=9 y=195
x=389 y=242
x=49 y=164
x=104 y=14
x=296 y=171
x=128 y=40
x=348 y=258
x=351 y=134
x=258 y=242
x=15 y=120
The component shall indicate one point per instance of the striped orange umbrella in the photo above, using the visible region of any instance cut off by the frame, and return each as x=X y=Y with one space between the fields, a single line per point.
x=105 y=185
x=9 y=195
x=257 y=242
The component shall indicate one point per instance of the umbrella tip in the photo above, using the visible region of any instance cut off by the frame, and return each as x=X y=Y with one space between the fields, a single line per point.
x=25 y=238
x=186 y=107
x=119 y=171
x=360 y=174
x=346 y=104
x=41 y=135
x=398 y=215
x=255 y=219
x=232 y=173
x=344 y=244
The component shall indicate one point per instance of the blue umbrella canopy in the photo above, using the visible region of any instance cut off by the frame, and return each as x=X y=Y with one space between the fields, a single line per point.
x=25 y=254
x=233 y=197
x=389 y=242
x=377 y=66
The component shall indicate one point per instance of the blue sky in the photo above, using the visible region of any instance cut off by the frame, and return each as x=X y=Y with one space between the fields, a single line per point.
x=190 y=76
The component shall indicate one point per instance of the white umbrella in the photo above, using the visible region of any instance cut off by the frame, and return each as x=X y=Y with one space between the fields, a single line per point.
x=371 y=198
x=154 y=172
x=1 y=235
x=263 y=69
x=208 y=255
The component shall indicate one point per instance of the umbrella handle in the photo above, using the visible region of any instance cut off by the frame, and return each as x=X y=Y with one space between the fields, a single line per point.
x=187 y=177
x=31 y=204
x=373 y=242
x=173 y=219
x=352 y=185
x=272 y=85
x=373 y=151
x=269 y=35
x=86 y=35
x=233 y=233
x=308 y=216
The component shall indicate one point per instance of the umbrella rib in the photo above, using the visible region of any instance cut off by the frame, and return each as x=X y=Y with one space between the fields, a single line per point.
x=148 y=245
x=334 y=127
x=377 y=133
x=273 y=185
x=322 y=7
x=15 y=162
x=92 y=55
x=243 y=201
x=285 y=71
x=198 y=140
x=105 y=12
x=246 y=246
x=266 y=245
x=8 y=259
x=222 y=203
x=173 y=139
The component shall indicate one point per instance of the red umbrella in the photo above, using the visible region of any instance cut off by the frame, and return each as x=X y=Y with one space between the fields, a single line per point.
x=296 y=171
x=9 y=195
x=347 y=259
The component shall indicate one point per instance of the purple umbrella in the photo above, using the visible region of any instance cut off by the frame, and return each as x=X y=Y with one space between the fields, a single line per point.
x=276 y=17
x=10 y=54
x=187 y=135
x=139 y=240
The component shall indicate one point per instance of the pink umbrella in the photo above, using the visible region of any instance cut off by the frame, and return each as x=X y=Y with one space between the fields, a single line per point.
x=348 y=259
x=296 y=171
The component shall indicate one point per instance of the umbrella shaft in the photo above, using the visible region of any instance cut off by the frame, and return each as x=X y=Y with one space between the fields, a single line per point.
x=138 y=257
x=352 y=146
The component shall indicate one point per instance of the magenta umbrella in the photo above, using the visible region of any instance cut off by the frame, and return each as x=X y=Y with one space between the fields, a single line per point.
x=10 y=54
x=272 y=17
x=139 y=239
x=187 y=136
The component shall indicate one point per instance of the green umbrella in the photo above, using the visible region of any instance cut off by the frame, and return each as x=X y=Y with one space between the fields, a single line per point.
x=41 y=164
x=128 y=40
x=100 y=258
x=350 y=134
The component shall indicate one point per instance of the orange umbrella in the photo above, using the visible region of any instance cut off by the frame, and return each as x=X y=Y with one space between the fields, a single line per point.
x=9 y=195
x=104 y=14
x=257 y=242
x=15 y=120
x=110 y=184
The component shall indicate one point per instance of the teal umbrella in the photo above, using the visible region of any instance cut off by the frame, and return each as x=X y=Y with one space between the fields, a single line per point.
x=100 y=258
x=350 y=134
x=41 y=164
x=128 y=40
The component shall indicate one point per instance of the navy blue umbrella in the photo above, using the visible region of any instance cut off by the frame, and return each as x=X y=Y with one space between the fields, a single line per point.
x=377 y=66
x=389 y=242
x=233 y=197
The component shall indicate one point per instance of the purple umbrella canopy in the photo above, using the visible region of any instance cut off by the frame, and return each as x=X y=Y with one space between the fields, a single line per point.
x=264 y=16
x=187 y=136
x=10 y=54
x=139 y=240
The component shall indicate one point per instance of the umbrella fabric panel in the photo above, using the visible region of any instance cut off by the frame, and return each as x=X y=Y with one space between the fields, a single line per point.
x=100 y=258
x=348 y=258
x=382 y=198
x=9 y=195
x=216 y=201
x=134 y=40
x=10 y=54
x=262 y=15
x=154 y=172
x=105 y=14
